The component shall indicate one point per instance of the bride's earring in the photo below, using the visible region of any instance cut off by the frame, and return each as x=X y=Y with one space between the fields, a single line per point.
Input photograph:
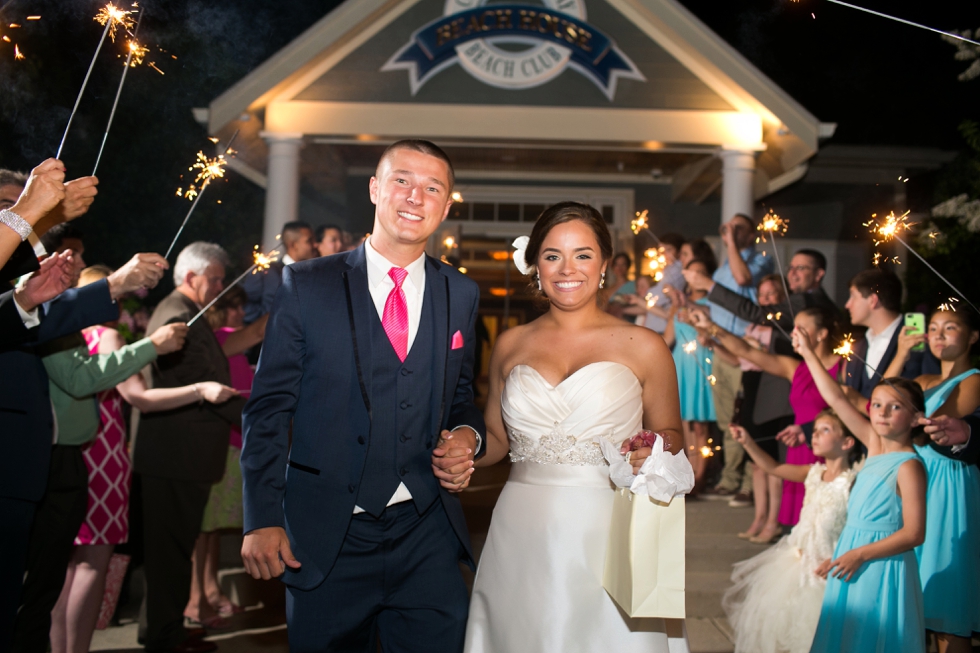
x=602 y=280
x=538 y=279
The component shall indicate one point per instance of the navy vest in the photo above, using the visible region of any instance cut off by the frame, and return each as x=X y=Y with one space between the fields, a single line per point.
x=399 y=449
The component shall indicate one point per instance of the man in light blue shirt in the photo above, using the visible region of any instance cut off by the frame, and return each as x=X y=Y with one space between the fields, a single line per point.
x=741 y=272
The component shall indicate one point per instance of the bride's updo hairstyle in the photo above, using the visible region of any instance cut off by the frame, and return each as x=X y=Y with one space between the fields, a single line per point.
x=566 y=212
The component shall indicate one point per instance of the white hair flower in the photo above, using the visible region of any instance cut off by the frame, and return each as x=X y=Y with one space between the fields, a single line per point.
x=520 y=246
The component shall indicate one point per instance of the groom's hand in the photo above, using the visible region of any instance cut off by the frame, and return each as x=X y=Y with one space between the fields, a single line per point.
x=452 y=459
x=266 y=553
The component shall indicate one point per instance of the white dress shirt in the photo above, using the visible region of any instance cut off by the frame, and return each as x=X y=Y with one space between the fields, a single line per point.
x=30 y=319
x=877 y=344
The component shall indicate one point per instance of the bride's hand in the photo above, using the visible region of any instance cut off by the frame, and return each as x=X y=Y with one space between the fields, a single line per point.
x=452 y=463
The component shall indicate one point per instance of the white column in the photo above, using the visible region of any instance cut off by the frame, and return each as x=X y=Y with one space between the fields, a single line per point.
x=282 y=188
x=737 y=177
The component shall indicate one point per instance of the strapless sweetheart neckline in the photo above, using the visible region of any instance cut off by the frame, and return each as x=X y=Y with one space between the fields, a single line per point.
x=573 y=374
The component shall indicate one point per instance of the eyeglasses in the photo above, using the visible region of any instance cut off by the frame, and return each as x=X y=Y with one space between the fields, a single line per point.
x=799 y=268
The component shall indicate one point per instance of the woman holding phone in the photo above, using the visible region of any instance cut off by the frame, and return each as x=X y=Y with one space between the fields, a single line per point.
x=949 y=568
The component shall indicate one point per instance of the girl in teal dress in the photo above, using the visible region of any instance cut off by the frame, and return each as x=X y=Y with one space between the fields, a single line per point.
x=692 y=361
x=873 y=600
x=949 y=566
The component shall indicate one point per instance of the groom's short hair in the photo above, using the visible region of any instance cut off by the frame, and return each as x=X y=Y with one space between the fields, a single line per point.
x=425 y=147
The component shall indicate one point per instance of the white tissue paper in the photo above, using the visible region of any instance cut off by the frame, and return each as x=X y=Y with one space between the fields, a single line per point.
x=662 y=477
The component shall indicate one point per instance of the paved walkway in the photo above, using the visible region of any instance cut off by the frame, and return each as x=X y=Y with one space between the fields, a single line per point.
x=711 y=549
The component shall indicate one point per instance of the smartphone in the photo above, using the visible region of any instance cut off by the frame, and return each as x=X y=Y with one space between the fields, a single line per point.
x=918 y=322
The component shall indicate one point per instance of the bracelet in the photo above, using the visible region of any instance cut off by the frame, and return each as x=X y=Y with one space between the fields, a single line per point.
x=200 y=397
x=17 y=223
x=713 y=330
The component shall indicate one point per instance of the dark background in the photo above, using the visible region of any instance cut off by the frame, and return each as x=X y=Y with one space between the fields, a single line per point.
x=882 y=82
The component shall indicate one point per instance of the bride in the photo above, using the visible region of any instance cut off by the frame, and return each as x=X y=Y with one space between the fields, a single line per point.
x=555 y=384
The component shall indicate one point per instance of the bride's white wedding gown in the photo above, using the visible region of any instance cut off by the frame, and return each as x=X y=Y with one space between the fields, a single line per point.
x=538 y=587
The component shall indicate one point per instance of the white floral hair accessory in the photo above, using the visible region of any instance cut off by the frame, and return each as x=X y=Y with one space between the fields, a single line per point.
x=520 y=246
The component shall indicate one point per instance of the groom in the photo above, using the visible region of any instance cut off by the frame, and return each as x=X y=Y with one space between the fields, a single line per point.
x=368 y=359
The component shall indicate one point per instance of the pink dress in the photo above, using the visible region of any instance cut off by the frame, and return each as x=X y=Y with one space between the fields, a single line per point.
x=807 y=403
x=109 y=468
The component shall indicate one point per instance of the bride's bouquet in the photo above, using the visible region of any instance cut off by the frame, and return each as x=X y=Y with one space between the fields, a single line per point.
x=644 y=570
x=662 y=476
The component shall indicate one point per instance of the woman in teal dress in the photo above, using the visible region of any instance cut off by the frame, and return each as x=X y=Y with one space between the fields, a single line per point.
x=873 y=600
x=949 y=566
x=693 y=363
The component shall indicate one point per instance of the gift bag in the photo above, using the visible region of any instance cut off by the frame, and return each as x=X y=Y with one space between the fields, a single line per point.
x=113 y=587
x=645 y=566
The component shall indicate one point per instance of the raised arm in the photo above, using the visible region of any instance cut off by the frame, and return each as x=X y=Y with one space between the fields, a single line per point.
x=835 y=397
x=795 y=473
x=774 y=364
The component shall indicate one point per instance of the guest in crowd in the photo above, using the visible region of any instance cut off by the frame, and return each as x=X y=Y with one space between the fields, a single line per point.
x=297 y=238
x=107 y=460
x=692 y=360
x=874 y=302
x=873 y=600
x=329 y=239
x=949 y=568
x=697 y=249
x=764 y=411
x=179 y=454
x=24 y=469
x=617 y=285
x=803 y=396
x=650 y=303
x=207 y=604
x=774 y=603
x=741 y=272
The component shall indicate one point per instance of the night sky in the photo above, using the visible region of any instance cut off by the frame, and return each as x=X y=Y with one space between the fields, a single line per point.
x=882 y=82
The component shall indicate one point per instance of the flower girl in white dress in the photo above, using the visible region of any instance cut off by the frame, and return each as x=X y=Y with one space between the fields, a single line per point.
x=774 y=604
x=558 y=384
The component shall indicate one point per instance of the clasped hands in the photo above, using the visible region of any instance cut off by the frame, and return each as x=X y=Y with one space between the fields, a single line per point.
x=452 y=459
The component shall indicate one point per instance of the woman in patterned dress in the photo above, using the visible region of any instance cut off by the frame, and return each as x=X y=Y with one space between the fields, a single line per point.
x=207 y=604
x=107 y=458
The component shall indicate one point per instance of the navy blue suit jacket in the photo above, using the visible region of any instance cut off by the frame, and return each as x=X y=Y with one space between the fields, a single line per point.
x=26 y=424
x=314 y=378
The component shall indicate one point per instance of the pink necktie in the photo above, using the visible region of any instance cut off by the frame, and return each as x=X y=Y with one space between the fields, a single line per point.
x=395 y=318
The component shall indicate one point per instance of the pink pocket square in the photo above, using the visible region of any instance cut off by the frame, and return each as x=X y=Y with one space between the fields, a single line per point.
x=457 y=341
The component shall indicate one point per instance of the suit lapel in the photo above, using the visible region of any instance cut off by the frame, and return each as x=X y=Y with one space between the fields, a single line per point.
x=360 y=307
x=437 y=291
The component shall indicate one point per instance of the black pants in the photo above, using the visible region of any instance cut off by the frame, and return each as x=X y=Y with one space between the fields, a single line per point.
x=172 y=514
x=18 y=515
x=397 y=577
x=56 y=522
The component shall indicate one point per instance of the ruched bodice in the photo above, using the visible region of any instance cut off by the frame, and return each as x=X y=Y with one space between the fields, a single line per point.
x=557 y=424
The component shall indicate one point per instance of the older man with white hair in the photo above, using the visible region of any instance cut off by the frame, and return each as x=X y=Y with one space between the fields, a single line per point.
x=180 y=453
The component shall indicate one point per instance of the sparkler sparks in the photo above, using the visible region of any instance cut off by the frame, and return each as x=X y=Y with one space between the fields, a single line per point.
x=690 y=347
x=846 y=348
x=136 y=53
x=771 y=224
x=640 y=222
x=262 y=262
x=112 y=17
x=948 y=305
x=18 y=55
x=888 y=228
x=706 y=452
x=651 y=300
x=457 y=197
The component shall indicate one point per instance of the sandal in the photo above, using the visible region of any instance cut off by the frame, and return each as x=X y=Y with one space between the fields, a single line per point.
x=214 y=622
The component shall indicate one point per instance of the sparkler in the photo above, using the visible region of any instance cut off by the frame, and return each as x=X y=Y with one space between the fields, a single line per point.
x=208 y=170
x=772 y=224
x=658 y=262
x=901 y=20
x=640 y=222
x=773 y=318
x=949 y=305
x=262 y=262
x=136 y=51
x=691 y=347
x=112 y=17
x=890 y=228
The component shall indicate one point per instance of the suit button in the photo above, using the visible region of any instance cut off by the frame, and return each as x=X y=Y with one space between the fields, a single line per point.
x=360 y=439
x=405 y=404
x=350 y=488
x=403 y=471
x=404 y=438
x=406 y=372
